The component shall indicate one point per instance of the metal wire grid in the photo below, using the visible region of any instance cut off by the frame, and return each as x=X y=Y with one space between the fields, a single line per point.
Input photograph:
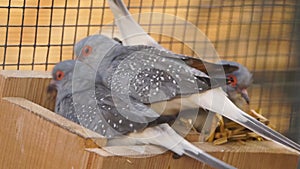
x=37 y=29
x=263 y=35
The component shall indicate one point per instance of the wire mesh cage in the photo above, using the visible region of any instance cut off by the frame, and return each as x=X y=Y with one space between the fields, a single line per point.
x=262 y=35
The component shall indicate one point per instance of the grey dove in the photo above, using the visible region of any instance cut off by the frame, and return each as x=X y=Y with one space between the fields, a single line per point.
x=93 y=106
x=137 y=36
x=156 y=77
x=236 y=91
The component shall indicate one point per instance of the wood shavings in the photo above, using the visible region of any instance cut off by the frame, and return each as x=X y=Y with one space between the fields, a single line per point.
x=130 y=162
x=228 y=131
x=188 y=123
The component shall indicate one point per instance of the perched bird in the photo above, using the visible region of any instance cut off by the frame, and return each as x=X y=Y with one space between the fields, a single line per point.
x=80 y=99
x=93 y=106
x=154 y=77
x=137 y=36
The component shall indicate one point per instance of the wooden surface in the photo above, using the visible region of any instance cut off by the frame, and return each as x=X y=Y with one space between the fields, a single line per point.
x=31 y=85
x=59 y=121
x=39 y=138
x=252 y=155
x=30 y=141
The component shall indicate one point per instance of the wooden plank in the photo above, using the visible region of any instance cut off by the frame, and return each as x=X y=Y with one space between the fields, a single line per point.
x=58 y=120
x=103 y=159
x=250 y=155
x=31 y=85
x=29 y=139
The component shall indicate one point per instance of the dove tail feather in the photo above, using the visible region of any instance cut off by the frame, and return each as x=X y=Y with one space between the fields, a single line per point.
x=163 y=135
x=194 y=152
x=136 y=34
x=209 y=160
x=215 y=100
x=173 y=141
x=118 y=8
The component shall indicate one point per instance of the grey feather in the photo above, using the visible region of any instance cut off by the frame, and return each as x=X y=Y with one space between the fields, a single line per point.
x=135 y=35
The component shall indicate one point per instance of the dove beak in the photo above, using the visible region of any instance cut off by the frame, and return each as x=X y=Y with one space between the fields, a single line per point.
x=245 y=95
x=51 y=87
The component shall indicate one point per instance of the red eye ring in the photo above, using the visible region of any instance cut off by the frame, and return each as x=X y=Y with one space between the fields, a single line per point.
x=60 y=75
x=233 y=80
x=86 y=50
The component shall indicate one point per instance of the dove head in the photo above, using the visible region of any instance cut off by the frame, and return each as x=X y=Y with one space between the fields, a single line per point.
x=93 y=49
x=71 y=76
x=240 y=79
x=61 y=76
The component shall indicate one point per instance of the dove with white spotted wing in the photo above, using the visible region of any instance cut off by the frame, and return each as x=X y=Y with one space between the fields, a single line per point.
x=122 y=72
x=82 y=101
x=136 y=35
x=92 y=106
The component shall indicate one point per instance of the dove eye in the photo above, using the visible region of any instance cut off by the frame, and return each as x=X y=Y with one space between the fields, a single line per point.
x=86 y=50
x=233 y=80
x=60 y=75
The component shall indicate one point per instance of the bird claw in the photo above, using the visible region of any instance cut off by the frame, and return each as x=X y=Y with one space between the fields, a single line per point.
x=176 y=156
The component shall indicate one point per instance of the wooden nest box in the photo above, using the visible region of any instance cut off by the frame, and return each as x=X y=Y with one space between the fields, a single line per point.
x=32 y=136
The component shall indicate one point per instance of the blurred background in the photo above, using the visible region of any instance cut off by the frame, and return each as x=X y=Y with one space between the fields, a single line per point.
x=261 y=34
